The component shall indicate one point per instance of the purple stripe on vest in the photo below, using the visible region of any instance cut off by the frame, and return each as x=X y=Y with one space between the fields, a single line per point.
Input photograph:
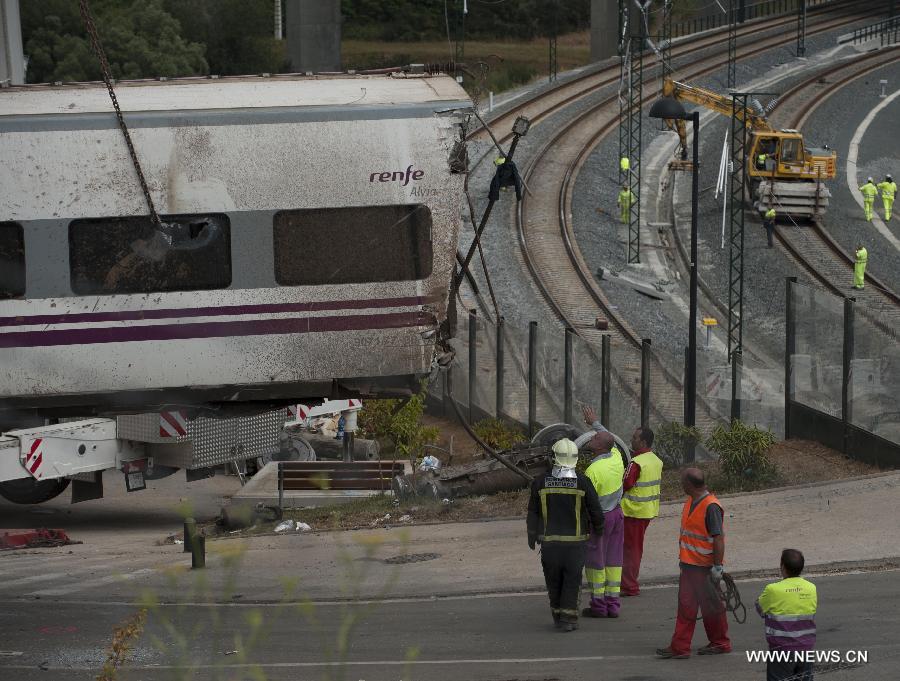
x=223 y=310
x=806 y=642
x=128 y=334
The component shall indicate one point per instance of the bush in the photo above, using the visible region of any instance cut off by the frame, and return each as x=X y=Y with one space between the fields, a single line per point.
x=497 y=434
x=398 y=424
x=671 y=440
x=742 y=455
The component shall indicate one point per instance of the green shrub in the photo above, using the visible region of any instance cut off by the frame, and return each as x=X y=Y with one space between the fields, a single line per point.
x=398 y=425
x=742 y=455
x=671 y=440
x=497 y=434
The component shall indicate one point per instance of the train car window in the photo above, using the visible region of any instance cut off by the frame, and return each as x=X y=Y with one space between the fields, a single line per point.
x=12 y=260
x=352 y=245
x=131 y=255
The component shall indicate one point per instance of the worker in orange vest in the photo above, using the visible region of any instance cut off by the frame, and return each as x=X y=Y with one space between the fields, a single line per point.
x=701 y=555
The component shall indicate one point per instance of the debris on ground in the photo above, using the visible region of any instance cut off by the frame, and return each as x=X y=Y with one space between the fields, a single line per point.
x=404 y=518
x=292 y=526
x=33 y=539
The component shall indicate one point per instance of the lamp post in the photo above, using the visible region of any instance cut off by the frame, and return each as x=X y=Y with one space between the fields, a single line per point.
x=671 y=109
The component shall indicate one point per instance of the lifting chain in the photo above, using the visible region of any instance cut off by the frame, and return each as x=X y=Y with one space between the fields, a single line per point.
x=97 y=46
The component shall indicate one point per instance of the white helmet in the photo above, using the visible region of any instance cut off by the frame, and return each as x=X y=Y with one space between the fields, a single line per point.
x=869 y=180
x=889 y=178
x=565 y=453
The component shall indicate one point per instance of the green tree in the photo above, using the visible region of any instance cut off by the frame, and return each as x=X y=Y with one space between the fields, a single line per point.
x=141 y=39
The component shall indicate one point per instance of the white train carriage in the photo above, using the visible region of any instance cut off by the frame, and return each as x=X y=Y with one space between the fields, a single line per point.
x=308 y=241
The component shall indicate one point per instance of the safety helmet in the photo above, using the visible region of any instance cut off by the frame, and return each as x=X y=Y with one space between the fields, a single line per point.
x=565 y=453
x=889 y=178
x=499 y=161
x=869 y=180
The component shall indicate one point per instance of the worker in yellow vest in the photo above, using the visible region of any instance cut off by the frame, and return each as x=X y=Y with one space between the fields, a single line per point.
x=625 y=201
x=640 y=500
x=624 y=165
x=888 y=190
x=603 y=564
x=789 y=608
x=859 y=268
x=701 y=554
x=769 y=224
x=869 y=190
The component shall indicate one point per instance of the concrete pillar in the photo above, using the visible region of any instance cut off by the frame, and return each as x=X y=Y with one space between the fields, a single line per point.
x=313 y=31
x=604 y=28
x=12 y=60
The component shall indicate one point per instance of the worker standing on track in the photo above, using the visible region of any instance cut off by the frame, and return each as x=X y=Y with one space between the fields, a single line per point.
x=640 y=499
x=789 y=608
x=869 y=190
x=625 y=201
x=859 y=269
x=563 y=510
x=888 y=190
x=701 y=555
x=769 y=224
x=603 y=566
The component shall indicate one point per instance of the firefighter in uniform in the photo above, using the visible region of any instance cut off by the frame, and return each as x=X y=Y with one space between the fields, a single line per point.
x=562 y=512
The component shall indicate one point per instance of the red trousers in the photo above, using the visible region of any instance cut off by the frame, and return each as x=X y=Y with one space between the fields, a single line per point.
x=633 y=550
x=694 y=591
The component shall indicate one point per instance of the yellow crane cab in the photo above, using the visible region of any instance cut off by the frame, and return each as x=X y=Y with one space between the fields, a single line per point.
x=783 y=155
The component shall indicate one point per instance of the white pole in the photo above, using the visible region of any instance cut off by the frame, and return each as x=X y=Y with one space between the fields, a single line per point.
x=490 y=101
x=728 y=171
x=278 y=32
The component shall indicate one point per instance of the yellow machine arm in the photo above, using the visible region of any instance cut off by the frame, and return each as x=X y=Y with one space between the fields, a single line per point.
x=709 y=100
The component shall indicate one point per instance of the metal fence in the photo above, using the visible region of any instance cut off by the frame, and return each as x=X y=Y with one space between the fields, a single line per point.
x=842 y=373
x=886 y=30
x=755 y=10
x=536 y=376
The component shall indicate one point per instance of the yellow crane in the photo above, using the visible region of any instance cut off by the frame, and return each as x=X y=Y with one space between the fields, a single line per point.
x=784 y=173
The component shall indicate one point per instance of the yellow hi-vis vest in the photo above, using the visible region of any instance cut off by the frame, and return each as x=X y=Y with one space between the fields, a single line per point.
x=888 y=189
x=868 y=190
x=606 y=472
x=862 y=256
x=789 y=607
x=624 y=163
x=770 y=214
x=642 y=500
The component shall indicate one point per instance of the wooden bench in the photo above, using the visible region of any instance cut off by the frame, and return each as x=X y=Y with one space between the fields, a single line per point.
x=337 y=475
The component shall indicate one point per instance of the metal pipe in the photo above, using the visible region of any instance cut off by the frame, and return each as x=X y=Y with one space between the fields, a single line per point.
x=790 y=348
x=568 y=387
x=532 y=379
x=690 y=379
x=737 y=365
x=473 y=364
x=645 y=383
x=846 y=397
x=605 y=379
x=190 y=529
x=500 y=360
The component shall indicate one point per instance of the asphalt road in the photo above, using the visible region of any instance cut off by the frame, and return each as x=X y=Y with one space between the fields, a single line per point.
x=496 y=638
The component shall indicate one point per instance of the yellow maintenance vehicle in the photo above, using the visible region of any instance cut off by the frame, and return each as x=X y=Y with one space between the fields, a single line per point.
x=783 y=172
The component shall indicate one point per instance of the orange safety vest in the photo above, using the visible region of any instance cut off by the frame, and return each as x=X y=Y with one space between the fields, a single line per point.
x=695 y=545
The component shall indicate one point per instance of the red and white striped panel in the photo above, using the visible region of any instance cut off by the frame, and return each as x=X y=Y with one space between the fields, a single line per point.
x=35 y=457
x=302 y=412
x=172 y=424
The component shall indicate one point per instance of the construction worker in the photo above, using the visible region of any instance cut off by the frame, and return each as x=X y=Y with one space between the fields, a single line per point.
x=869 y=190
x=789 y=609
x=701 y=556
x=769 y=224
x=624 y=165
x=761 y=161
x=563 y=511
x=859 y=269
x=603 y=566
x=625 y=201
x=640 y=500
x=888 y=190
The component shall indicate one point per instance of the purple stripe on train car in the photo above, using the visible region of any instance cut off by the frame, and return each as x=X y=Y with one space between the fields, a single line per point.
x=175 y=313
x=259 y=327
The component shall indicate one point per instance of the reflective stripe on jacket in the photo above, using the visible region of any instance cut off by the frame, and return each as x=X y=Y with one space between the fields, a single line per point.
x=695 y=545
x=789 y=608
x=868 y=190
x=563 y=509
x=642 y=500
x=888 y=189
x=606 y=472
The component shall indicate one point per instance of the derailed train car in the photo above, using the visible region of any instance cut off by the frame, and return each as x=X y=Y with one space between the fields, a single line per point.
x=307 y=240
x=309 y=233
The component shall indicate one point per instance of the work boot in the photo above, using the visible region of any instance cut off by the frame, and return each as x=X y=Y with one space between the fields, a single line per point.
x=568 y=626
x=669 y=654
x=710 y=649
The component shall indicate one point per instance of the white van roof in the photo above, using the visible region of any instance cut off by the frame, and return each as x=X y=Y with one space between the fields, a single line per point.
x=243 y=92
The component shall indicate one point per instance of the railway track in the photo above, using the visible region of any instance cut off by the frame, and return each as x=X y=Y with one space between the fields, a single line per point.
x=546 y=237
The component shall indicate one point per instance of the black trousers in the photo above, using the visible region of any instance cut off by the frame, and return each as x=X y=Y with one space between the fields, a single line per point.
x=795 y=671
x=770 y=231
x=563 y=565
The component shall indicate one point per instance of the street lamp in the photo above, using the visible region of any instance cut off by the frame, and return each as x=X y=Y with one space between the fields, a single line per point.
x=672 y=109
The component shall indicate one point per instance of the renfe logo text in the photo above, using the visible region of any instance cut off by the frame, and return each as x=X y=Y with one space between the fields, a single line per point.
x=398 y=176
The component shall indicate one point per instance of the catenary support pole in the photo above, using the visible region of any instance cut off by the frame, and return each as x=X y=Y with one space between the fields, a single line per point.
x=737 y=367
x=790 y=349
x=801 y=28
x=690 y=379
x=473 y=362
x=500 y=360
